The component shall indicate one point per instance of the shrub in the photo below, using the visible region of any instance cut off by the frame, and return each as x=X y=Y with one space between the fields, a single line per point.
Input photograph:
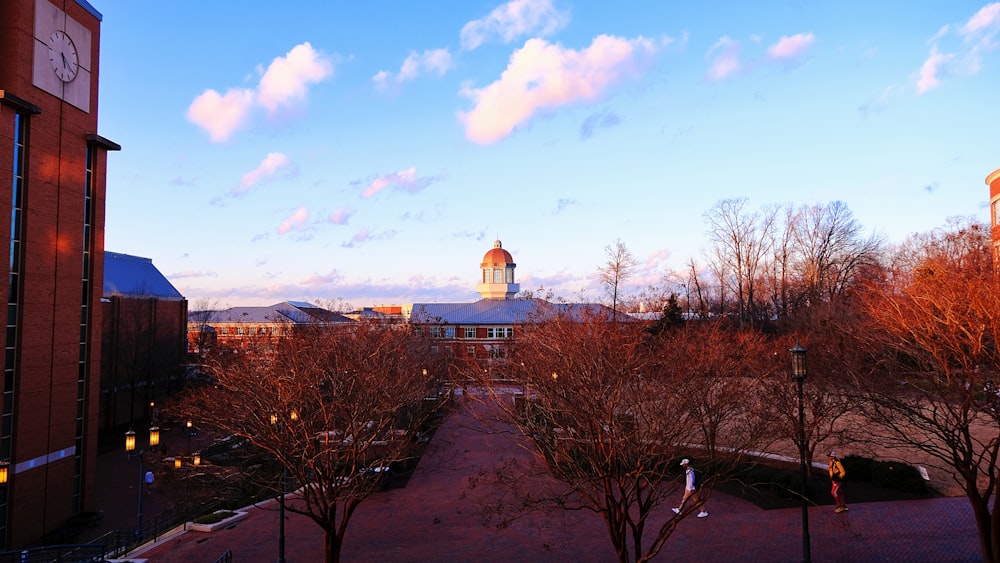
x=889 y=474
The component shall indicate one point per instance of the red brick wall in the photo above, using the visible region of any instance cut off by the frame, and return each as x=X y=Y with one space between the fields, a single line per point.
x=45 y=408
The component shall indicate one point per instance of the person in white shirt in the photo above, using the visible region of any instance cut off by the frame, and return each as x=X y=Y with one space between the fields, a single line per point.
x=690 y=490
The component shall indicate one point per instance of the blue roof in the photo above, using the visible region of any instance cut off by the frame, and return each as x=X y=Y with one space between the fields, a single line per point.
x=501 y=311
x=134 y=276
x=297 y=312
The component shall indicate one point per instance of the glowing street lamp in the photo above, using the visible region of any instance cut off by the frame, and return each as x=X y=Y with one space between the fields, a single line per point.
x=799 y=375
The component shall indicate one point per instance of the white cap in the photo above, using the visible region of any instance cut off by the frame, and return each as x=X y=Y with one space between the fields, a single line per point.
x=833 y=454
x=684 y=461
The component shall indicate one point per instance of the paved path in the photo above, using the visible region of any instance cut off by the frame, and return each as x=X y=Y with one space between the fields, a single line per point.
x=438 y=517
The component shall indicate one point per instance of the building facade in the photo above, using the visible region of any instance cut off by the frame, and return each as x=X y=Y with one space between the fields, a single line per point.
x=993 y=181
x=53 y=174
x=143 y=342
x=210 y=331
x=477 y=335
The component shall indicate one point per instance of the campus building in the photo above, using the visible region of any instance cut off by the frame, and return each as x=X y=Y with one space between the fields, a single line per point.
x=993 y=181
x=229 y=328
x=53 y=174
x=143 y=343
x=479 y=333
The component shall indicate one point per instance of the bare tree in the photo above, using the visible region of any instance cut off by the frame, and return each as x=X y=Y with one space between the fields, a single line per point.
x=334 y=407
x=620 y=265
x=740 y=244
x=719 y=371
x=939 y=322
x=831 y=250
x=605 y=410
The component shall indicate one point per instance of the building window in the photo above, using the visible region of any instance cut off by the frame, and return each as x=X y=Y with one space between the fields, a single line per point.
x=435 y=332
x=449 y=332
x=486 y=275
x=14 y=300
x=996 y=213
x=510 y=275
x=499 y=332
x=498 y=276
x=470 y=332
x=470 y=351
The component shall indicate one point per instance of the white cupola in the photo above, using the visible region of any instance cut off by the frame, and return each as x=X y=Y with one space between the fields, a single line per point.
x=498 y=274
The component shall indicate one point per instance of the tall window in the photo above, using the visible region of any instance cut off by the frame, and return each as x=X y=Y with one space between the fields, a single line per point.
x=14 y=299
x=470 y=332
x=498 y=275
x=86 y=279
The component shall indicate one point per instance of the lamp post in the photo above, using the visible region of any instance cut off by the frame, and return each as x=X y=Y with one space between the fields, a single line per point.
x=188 y=428
x=154 y=440
x=276 y=421
x=799 y=375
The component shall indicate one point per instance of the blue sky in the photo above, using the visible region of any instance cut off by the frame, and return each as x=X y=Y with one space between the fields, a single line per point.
x=372 y=151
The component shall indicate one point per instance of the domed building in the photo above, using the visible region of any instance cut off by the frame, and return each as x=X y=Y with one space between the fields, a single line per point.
x=481 y=329
x=498 y=274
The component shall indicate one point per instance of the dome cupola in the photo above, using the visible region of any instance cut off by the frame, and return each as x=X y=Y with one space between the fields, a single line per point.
x=498 y=274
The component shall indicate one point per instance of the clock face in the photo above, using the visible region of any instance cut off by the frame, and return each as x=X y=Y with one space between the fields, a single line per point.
x=62 y=56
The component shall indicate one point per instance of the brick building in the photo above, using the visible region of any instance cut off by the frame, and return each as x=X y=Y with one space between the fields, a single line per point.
x=993 y=181
x=479 y=333
x=53 y=174
x=144 y=340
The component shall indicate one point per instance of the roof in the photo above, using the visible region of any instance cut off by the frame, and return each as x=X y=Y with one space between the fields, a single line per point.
x=497 y=256
x=502 y=311
x=296 y=312
x=133 y=276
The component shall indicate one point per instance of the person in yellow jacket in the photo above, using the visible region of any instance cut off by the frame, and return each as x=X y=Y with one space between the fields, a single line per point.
x=837 y=474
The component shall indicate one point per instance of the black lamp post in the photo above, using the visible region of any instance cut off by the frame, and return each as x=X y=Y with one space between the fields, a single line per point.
x=281 y=496
x=189 y=428
x=154 y=440
x=799 y=375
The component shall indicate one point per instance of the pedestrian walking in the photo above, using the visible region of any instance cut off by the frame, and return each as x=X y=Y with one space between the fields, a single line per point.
x=837 y=474
x=690 y=489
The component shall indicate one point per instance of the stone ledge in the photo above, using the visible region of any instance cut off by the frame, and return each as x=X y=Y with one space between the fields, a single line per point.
x=236 y=517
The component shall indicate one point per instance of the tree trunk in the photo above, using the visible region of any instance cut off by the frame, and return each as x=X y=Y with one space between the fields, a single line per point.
x=331 y=547
x=985 y=523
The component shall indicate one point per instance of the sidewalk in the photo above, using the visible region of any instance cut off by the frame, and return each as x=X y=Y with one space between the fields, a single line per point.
x=438 y=517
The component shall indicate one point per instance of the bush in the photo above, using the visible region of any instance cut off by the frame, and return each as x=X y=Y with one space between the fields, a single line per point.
x=898 y=476
x=889 y=474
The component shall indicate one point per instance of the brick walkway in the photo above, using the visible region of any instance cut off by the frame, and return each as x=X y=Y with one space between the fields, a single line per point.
x=437 y=517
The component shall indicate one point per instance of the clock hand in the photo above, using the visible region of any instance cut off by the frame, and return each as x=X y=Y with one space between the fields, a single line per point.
x=65 y=62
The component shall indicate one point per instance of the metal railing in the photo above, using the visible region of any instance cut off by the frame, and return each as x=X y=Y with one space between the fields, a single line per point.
x=56 y=554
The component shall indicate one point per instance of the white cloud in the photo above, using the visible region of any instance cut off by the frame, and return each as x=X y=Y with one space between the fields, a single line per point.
x=295 y=222
x=404 y=180
x=285 y=82
x=929 y=71
x=725 y=59
x=978 y=38
x=219 y=115
x=542 y=76
x=287 y=77
x=341 y=215
x=988 y=17
x=434 y=61
x=270 y=166
x=791 y=48
x=513 y=20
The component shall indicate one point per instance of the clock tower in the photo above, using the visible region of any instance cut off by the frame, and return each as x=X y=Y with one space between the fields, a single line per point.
x=53 y=173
